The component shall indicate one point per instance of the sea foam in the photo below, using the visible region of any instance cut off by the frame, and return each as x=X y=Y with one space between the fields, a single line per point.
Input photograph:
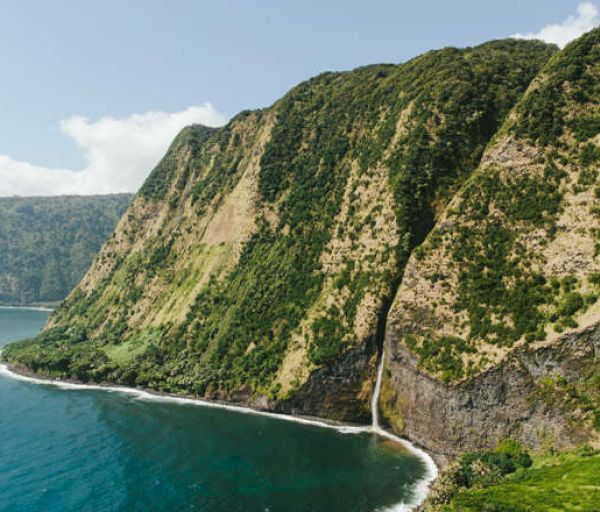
x=29 y=308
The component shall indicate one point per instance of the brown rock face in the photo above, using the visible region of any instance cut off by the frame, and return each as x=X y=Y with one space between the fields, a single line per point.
x=505 y=401
x=338 y=391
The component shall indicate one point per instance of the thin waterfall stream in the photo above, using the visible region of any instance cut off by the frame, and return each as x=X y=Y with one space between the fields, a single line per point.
x=376 y=392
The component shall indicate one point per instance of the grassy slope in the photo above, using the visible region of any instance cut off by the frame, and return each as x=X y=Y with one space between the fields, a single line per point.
x=559 y=482
x=516 y=258
x=47 y=243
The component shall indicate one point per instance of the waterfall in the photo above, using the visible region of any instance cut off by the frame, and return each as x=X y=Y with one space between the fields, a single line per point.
x=376 y=393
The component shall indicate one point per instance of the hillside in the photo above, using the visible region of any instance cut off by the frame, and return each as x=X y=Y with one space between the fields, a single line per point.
x=495 y=328
x=259 y=260
x=509 y=479
x=48 y=243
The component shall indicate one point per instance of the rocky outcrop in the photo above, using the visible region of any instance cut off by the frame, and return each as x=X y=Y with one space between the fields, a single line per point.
x=524 y=398
x=340 y=391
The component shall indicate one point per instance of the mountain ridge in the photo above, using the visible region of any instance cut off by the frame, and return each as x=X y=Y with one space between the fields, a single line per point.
x=258 y=262
x=497 y=315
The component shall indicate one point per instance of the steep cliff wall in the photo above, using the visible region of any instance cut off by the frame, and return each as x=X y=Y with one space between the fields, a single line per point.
x=534 y=396
x=258 y=261
x=492 y=305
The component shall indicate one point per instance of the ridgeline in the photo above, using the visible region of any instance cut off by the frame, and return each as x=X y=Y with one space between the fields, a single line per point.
x=444 y=210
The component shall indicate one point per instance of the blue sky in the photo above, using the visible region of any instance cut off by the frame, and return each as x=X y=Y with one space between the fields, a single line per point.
x=114 y=59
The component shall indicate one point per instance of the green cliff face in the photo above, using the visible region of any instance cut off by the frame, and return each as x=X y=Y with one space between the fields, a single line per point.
x=515 y=259
x=48 y=243
x=265 y=254
x=495 y=326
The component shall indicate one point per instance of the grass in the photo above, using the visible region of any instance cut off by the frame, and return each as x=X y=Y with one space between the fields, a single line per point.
x=566 y=482
x=126 y=352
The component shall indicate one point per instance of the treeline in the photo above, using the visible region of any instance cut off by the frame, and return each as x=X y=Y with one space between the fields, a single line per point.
x=47 y=243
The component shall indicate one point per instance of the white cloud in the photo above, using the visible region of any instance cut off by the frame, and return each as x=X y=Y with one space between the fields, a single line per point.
x=120 y=153
x=574 y=26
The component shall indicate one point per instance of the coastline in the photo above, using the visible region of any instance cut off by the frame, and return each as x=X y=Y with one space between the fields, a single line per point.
x=420 y=490
x=29 y=308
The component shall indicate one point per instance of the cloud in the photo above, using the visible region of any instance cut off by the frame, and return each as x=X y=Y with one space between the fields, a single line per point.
x=574 y=26
x=120 y=153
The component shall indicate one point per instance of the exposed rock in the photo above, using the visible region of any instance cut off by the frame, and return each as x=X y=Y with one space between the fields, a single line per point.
x=499 y=403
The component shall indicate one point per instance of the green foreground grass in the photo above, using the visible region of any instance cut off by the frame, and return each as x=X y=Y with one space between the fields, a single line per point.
x=565 y=482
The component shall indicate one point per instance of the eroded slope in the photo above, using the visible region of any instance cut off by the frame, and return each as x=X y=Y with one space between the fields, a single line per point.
x=259 y=260
x=500 y=303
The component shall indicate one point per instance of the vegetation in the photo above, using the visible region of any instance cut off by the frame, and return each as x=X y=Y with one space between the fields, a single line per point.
x=443 y=355
x=510 y=479
x=560 y=96
x=191 y=139
x=322 y=258
x=47 y=243
x=260 y=251
x=508 y=274
x=489 y=251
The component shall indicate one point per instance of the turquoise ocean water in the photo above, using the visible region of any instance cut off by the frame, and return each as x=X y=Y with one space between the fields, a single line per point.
x=93 y=450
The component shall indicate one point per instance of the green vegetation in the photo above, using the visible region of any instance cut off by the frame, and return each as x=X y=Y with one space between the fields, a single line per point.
x=191 y=139
x=501 y=481
x=443 y=355
x=261 y=251
x=497 y=240
x=568 y=84
x=488 y=253
x=47 y=243
x=420 y=128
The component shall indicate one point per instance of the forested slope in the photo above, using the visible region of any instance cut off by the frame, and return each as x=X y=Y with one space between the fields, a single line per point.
x=495 y=329
x=48 y=243
x=258 y=261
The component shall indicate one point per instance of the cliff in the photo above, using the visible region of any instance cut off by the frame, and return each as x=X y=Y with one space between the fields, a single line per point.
x=259 y=260
x=494 y=330
x=48 y=243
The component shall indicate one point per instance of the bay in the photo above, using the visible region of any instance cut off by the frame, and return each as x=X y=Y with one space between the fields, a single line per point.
x=92 y=450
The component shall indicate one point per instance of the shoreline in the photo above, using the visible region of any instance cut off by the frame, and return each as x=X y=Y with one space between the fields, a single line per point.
x=420 y=490
x=29 y=308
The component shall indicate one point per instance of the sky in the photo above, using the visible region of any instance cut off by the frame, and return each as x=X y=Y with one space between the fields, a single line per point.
x=93 y=92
